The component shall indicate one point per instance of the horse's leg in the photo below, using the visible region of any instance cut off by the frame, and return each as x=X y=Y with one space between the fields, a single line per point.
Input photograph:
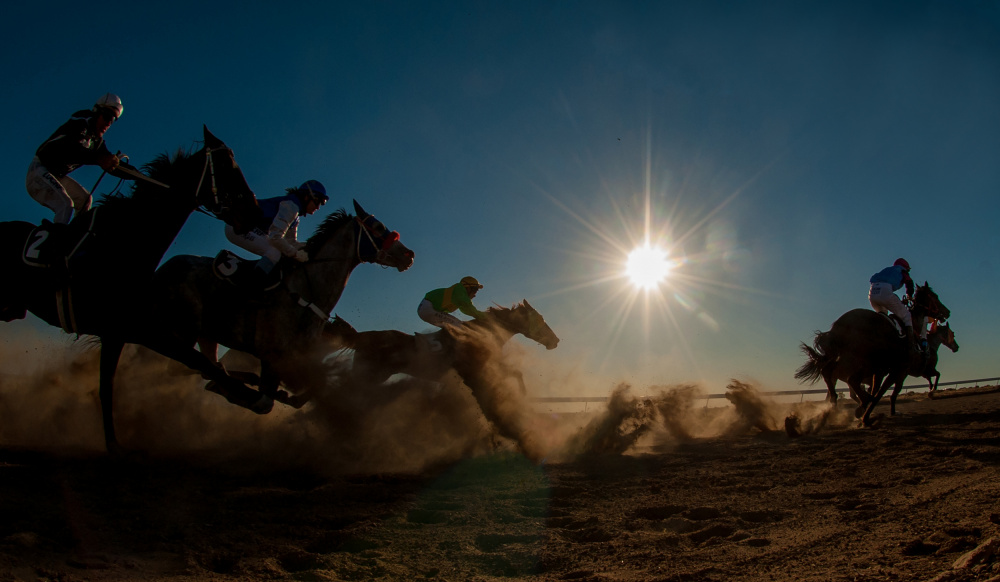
x=220 y=382
x=111 y=351
x=883 y=386
x=512 y=372
x=269 y=383
x=831 y=386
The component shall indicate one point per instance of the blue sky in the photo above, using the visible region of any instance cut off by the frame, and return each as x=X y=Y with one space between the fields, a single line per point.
x=783 y=151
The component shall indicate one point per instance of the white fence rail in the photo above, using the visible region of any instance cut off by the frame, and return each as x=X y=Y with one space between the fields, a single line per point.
x=598 y=399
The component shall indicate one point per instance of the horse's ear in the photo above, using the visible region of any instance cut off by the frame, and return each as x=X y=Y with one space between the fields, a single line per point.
x=360 y=211
x=526 y=304
x=925 y=284
x=210 y=140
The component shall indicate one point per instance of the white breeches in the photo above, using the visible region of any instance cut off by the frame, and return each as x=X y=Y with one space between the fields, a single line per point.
x=883 y=300
x=434 y=317
x=61 y=195
x=254 y=241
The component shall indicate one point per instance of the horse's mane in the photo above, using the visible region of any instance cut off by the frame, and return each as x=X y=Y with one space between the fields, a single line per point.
x=330 y=226
x=496 y=308
x=163 y=167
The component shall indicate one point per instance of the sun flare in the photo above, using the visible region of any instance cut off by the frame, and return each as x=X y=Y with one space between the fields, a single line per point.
x=647 y=266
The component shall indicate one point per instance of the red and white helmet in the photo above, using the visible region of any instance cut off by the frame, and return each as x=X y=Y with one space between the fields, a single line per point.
x=901 y=262
x=111 y=103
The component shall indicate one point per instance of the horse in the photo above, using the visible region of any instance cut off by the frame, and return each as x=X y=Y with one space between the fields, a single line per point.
x=470 y=350
x=98 y=284
x=380 y=354
x=926 y=368
x=280 y=327
x=864 y=346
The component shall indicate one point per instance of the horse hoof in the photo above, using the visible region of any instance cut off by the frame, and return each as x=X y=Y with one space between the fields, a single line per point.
x=263 y=405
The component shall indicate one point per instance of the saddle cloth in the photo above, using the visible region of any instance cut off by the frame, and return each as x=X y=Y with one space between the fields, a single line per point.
x=243 y=273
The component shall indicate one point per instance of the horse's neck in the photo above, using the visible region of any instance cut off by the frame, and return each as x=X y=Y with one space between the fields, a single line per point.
x=502 y=327
x=323 y=279
x=154 y=217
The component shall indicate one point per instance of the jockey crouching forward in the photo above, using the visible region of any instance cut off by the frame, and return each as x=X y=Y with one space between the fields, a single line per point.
x=276 y=234
x=438 y=305
x=883 y=298
x=78 y=142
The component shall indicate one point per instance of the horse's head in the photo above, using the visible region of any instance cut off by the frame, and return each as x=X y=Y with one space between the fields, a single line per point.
x=526 y=320
x=377 y=244
x=926 y=299
x=223 y=190
x=947 y=337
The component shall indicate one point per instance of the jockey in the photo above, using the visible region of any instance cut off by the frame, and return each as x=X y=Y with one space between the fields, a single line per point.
x=78 y=142
x=437 y=305
x=276 y=233
x=883 y=298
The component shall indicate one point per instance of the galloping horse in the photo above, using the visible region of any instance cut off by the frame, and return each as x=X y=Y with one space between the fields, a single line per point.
x=470 y=350
x=283 y=327
x=380 y=354
x=118 y=244
x=863 y=346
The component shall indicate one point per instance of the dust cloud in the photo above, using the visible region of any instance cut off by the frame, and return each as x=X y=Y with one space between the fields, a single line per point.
x=407 y=425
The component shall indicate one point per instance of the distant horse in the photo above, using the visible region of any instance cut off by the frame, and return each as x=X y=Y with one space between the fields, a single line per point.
x=927 y=368
x=283 y=326
x=380 y=354
x=113 y=249
x=863 y=346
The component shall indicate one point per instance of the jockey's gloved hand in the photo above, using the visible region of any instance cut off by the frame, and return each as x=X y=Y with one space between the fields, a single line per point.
x=108 y=162
x=301 y=256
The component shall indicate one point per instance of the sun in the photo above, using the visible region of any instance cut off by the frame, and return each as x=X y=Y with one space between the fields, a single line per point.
x=647 y=266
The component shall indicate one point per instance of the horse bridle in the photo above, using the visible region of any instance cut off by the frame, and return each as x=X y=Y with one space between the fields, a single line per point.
x=209 y=168
x=381 y=243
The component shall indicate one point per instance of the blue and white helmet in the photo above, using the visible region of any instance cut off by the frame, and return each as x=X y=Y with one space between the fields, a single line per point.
x=313 y=189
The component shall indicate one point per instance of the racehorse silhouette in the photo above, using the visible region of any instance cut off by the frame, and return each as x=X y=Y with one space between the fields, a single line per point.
x=98 y=277
x=864 y=346
x=282 y=327
x=472 y=350
x=380 y=354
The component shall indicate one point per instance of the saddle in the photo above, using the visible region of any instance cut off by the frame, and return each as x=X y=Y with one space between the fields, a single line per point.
x=243 y=273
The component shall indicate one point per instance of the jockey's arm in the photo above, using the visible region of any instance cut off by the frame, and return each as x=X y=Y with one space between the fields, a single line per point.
x=464 y=303
x=908 y=283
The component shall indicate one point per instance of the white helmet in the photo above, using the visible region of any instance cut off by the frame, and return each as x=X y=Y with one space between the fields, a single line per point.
x=111 y=102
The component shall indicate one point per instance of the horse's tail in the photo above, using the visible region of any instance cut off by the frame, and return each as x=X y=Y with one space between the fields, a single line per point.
x=817 y=357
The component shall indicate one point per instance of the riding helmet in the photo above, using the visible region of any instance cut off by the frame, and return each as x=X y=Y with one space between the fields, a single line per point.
x=471 y=282
x=901 y=262
x=111 y=103
x=315 y=190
